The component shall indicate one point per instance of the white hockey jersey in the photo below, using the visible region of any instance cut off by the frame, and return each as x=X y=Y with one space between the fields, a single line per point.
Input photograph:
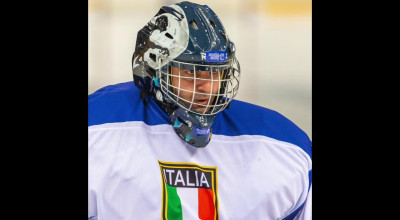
x=256 y=166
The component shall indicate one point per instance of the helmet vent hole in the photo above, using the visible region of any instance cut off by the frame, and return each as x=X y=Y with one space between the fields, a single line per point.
x=212 y=23
x=193 y=24
x=153 y=57
x=168 y=35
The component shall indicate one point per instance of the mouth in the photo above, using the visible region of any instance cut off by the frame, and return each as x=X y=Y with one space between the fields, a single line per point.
x=202 y=102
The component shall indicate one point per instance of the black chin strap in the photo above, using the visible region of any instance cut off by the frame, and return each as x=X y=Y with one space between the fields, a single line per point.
x=143 y=95
x=143 y=92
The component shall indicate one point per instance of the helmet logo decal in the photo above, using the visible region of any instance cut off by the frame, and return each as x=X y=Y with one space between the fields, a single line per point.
x=201 y=131
x=215 y=56
x=203 y=55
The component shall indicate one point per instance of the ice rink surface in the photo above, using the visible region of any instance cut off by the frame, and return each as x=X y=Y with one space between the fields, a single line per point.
x=272 y=38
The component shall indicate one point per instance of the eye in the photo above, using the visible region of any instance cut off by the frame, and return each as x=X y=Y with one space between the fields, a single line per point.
x=190 y=72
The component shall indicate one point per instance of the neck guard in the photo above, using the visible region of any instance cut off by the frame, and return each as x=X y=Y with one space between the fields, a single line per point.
x=192 y=128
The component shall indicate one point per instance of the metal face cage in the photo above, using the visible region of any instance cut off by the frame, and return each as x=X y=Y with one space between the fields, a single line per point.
x=201 y=89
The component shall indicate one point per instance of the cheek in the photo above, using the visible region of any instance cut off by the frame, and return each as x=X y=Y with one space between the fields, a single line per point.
x=216 y=86
x=183 y=84
x=174 y=81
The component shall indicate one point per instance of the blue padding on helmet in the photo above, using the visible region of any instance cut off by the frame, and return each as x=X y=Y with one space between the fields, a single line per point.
x=156 y=82
x=177 y=123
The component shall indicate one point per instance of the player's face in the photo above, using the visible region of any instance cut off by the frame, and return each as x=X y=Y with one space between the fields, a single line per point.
x=201 y=90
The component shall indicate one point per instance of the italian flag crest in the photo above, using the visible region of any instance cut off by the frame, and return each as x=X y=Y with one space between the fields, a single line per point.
x=188 y=191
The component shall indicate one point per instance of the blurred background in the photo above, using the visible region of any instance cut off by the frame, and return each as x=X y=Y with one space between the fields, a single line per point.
x=272 y=39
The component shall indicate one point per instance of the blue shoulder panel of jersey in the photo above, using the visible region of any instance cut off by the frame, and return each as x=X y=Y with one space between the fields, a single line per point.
x=120 y=103
x=243 y=118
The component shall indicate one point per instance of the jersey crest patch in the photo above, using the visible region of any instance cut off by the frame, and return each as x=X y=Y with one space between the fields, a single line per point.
x=188 y=188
